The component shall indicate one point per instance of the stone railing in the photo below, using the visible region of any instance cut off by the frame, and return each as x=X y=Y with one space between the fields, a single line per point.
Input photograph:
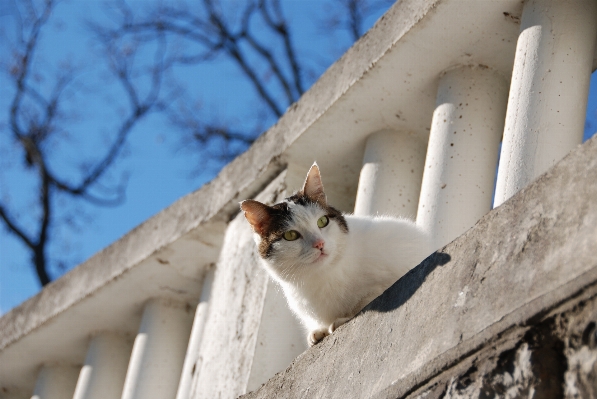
x=409 y=121
x=506 y=310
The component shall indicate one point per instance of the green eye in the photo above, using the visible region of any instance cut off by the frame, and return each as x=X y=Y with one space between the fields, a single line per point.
x=291 y=235
x=322 y=222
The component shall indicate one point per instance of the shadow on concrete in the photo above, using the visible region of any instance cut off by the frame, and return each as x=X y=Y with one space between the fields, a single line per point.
x=403 y=289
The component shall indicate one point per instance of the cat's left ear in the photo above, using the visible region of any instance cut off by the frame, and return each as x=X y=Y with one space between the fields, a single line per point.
x=313 y=187
x=258 y=215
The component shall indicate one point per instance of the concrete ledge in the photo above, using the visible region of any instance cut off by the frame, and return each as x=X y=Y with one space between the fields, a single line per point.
x=516 y=265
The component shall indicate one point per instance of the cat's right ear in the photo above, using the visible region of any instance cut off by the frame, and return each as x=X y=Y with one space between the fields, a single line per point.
x=257 y=214
x=313 y=187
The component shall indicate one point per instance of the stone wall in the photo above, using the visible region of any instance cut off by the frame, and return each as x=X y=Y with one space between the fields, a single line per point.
x=555 y=357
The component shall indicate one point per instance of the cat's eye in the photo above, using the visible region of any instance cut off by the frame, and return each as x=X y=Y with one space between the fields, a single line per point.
x=322 y=222
x=291 y=235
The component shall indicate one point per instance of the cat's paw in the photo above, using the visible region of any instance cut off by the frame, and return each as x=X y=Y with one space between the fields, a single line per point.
x=316 y=336
x=337 y=324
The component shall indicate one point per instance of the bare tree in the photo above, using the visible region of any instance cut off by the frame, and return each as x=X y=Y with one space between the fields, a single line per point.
x=141 y=48
x=202 y=32
x=350 y=15
x=34 y=120
x=254 y=35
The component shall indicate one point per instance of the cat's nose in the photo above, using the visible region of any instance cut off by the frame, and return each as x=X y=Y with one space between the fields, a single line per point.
x=318 y=244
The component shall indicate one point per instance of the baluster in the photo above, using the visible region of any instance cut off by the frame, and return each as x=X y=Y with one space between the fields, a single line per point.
x=280 y=338
x=191 y=365
x=549 y=89
x=55 y=382
x=462 y=152
x=102 y=376
x=158 y=352
x=390 y=180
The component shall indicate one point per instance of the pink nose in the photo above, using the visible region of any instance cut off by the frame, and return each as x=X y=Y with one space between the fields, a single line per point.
x=318 y=244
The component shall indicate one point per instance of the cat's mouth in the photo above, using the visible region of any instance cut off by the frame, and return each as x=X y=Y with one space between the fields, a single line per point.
x=320 y=257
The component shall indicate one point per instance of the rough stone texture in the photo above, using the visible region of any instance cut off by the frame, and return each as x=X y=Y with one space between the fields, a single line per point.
x=554 y=356
x=515 y=292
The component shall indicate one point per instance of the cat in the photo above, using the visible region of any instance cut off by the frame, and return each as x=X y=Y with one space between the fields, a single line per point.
x=330 y=265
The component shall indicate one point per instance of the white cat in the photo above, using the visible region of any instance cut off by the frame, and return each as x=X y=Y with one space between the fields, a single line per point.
x=331 y=265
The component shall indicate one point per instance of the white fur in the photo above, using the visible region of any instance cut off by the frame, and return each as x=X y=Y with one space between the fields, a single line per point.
x=358 y=267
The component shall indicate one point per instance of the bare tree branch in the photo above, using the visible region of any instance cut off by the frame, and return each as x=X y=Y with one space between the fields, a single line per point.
x=176 y=35
x=12 y=226
x=350 y=15
x=21 y=69
x=216 y=35
x=32 y=129
x=281 y=28
x=354 y=18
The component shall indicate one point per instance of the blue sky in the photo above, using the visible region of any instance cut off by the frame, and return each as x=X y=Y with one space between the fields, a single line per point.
x=160 y=170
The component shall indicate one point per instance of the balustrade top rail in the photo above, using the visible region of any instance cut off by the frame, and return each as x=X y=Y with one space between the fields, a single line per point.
x=388 y=80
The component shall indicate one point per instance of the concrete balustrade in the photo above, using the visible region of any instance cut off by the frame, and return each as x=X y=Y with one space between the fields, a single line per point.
x=390 y=179
x=548 y=93
x=158 y=352
x=384 y=84
x=102 y=376
x=55 y=382
x=462 y=152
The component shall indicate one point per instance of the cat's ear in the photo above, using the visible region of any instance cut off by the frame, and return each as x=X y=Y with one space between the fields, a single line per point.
x=313 y=187
x=258 y=215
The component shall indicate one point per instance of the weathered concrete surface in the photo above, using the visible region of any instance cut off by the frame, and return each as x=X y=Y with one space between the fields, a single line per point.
x=235 y=307
x=228 y=356
x=488 y=288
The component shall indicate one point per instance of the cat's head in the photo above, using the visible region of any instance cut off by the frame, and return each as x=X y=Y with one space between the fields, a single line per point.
x=301 y=231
